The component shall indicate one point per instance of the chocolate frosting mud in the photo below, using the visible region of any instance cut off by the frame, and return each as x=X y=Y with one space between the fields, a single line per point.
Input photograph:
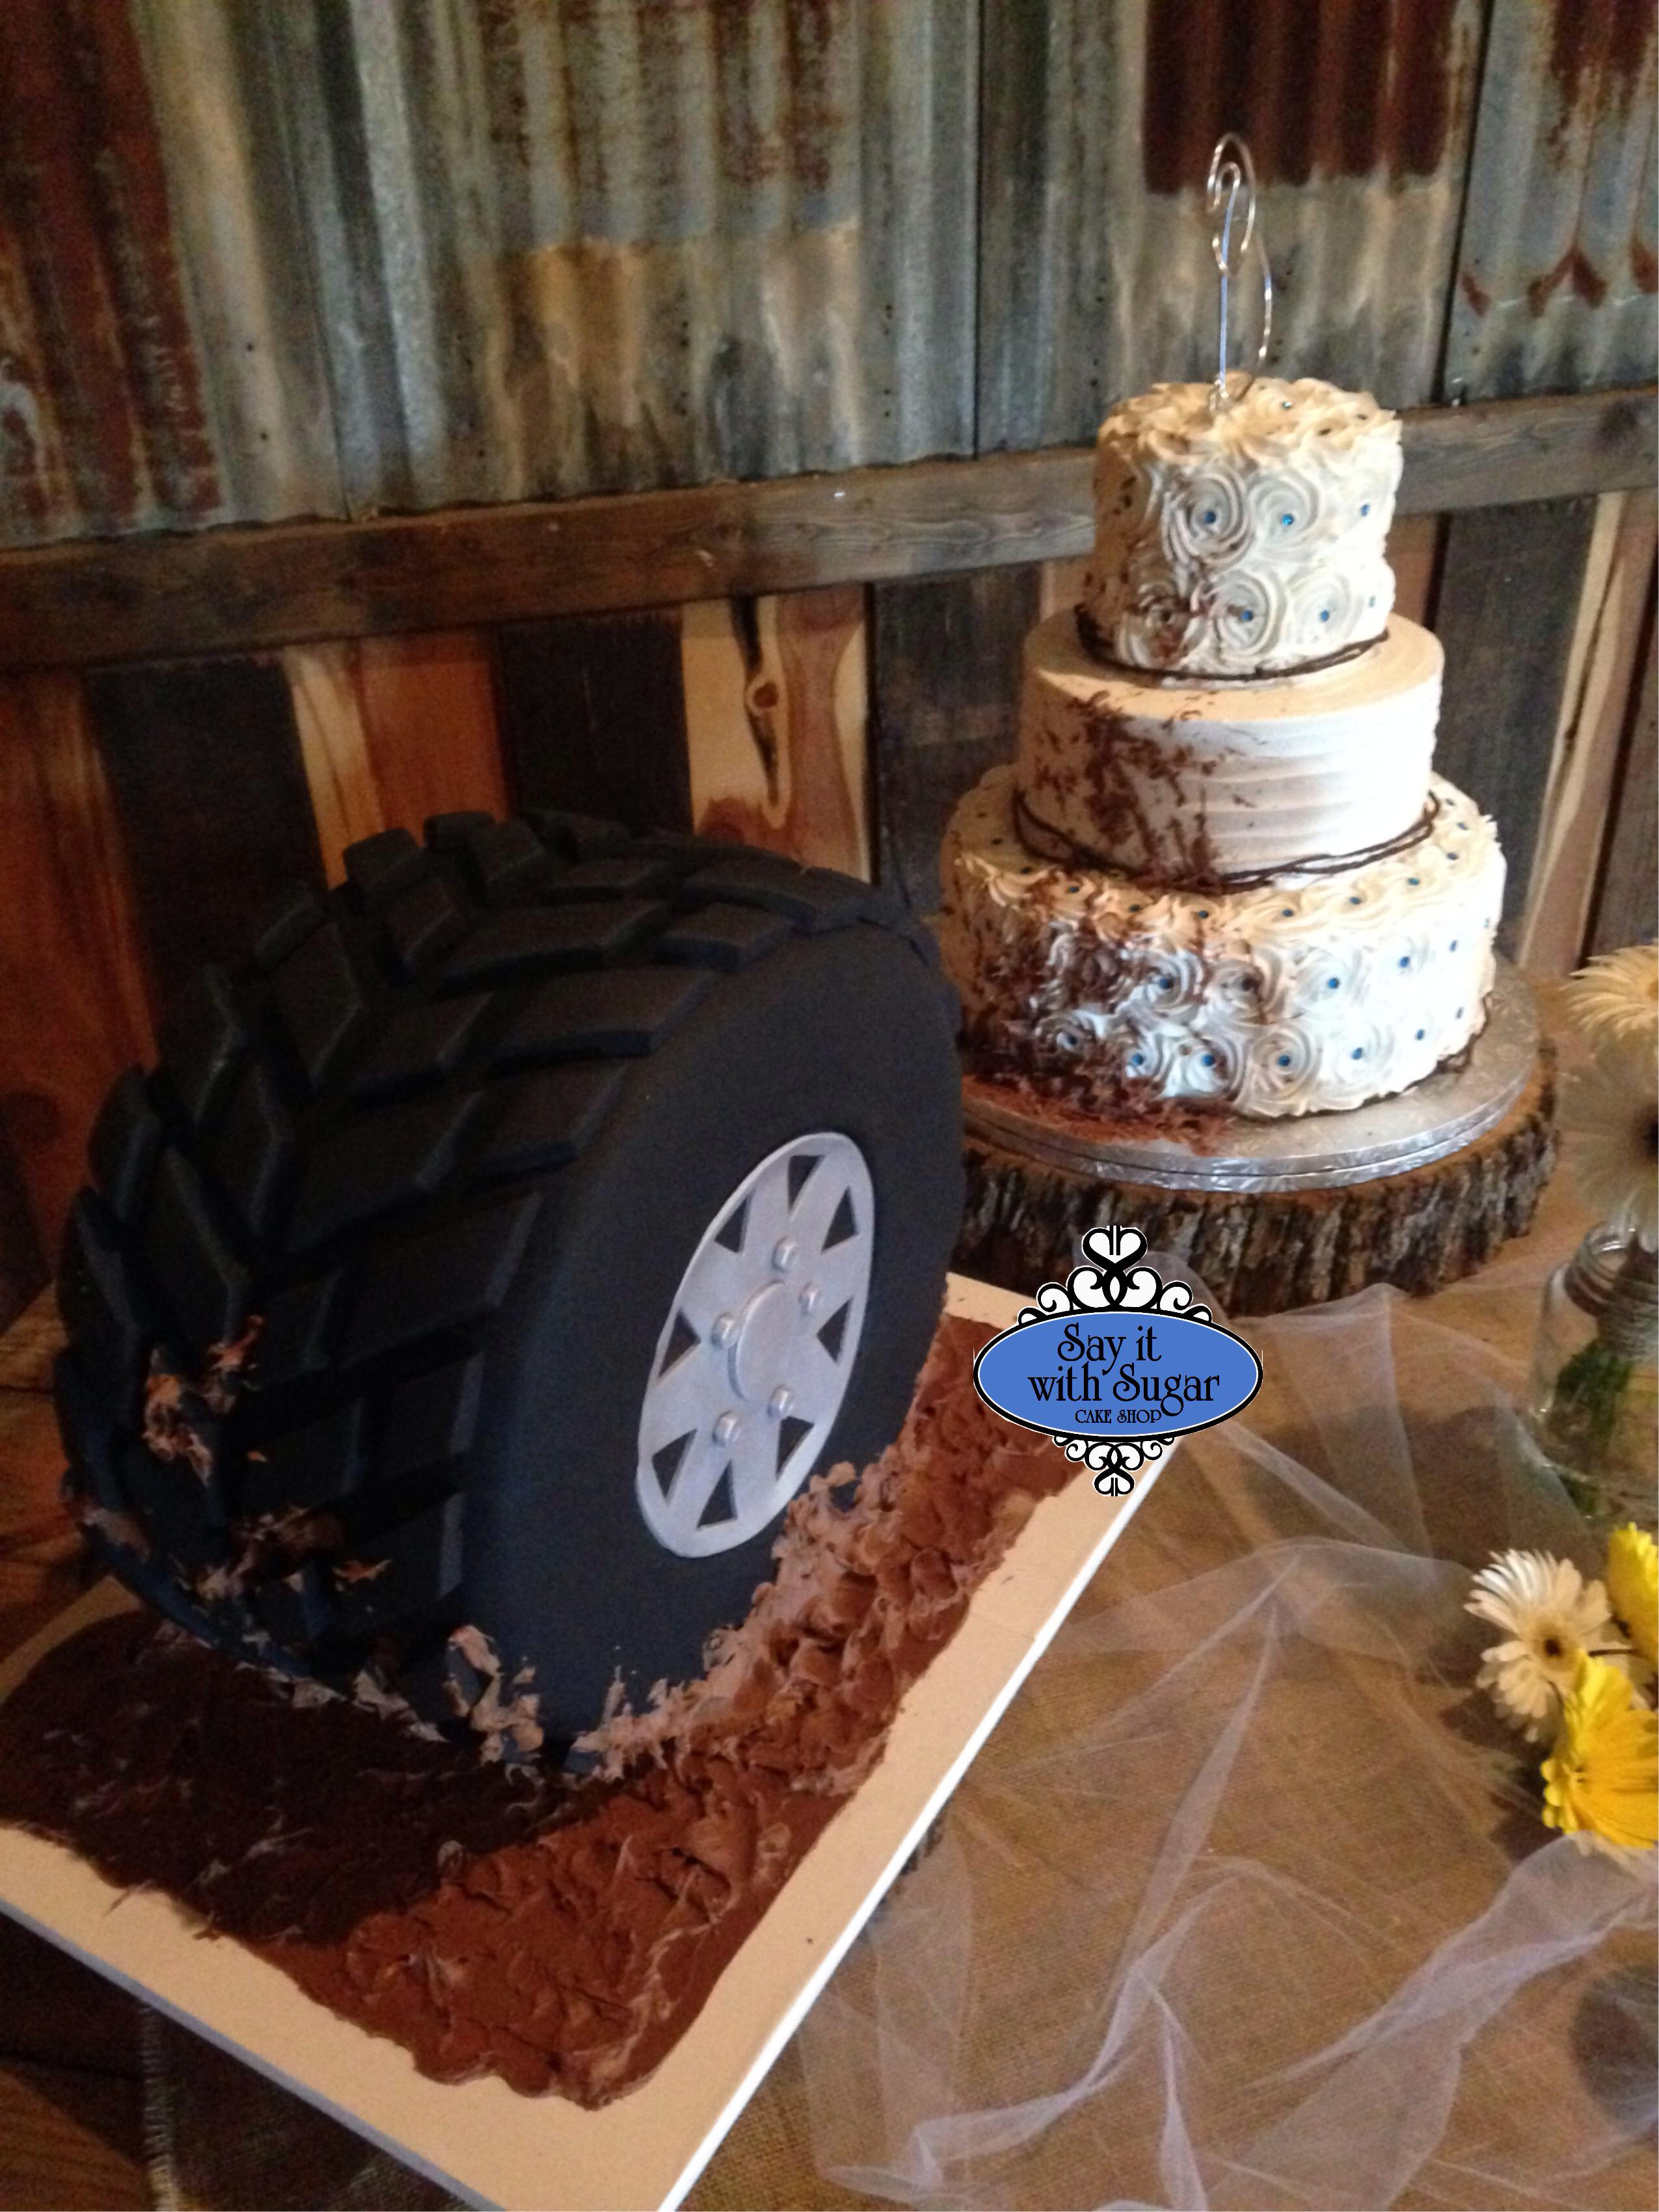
x=559 y=1933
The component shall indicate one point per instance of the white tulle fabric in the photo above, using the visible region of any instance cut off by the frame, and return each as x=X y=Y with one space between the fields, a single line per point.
x=1246 y=1904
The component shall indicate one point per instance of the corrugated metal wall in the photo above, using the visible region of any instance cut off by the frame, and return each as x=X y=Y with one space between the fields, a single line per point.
x=272 y=257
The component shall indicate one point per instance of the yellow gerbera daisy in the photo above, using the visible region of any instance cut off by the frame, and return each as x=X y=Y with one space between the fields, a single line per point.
x=1633 y=1586
x=1601 y=1785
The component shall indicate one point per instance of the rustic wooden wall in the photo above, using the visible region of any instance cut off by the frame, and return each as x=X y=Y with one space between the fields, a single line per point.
x=148 y=808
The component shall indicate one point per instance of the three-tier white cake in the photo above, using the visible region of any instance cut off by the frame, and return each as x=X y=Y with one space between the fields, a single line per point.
x=1221 y=868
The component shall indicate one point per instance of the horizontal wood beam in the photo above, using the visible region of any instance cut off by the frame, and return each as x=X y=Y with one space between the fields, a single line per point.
x=158 y=597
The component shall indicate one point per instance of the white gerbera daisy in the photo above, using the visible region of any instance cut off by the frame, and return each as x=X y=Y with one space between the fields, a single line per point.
x=1610 y=1120
x=1614 y=999
x=1551 y=1616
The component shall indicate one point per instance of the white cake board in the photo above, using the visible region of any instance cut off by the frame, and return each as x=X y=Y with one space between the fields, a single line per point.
x=480 y=2139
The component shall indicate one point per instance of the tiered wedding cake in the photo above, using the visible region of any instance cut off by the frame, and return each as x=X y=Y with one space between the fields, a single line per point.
x=1220 y=868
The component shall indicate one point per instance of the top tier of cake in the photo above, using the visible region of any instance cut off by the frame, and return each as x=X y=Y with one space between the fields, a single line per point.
x=1241 y=542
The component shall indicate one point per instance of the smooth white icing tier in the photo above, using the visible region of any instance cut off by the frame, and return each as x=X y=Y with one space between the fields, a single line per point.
x=1179 y=784
x=1284 y=1001
x=1243 y=541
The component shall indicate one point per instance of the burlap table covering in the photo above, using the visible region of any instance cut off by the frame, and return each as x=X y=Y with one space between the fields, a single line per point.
x=1246 y=1903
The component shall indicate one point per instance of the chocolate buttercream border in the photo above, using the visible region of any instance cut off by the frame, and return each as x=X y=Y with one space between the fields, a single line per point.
x=1092 y=638
x=1068 y=852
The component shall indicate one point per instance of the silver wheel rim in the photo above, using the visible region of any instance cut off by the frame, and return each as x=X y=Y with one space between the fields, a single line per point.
x=753 y=1360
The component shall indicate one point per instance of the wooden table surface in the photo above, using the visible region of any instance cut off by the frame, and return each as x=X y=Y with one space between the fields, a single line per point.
x=70 y=2101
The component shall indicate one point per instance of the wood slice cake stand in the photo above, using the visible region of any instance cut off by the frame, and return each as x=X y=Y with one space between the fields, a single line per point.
x=1415 y=1190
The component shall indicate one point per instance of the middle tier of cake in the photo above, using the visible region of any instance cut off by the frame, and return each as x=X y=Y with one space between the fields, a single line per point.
x=1215 y=784
x=1293 y=998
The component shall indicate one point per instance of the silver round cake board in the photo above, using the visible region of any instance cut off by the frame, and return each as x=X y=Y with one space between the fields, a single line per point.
x=1312 y=1151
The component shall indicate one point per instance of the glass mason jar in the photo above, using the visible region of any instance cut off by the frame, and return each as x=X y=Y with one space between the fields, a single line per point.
x=1593 y=1398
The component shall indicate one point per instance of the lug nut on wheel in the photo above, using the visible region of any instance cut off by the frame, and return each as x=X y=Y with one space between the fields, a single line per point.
x=725 y=1428
x=780 y=1401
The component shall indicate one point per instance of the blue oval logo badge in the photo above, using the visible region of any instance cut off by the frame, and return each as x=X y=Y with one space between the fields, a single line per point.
x=1116 y=1363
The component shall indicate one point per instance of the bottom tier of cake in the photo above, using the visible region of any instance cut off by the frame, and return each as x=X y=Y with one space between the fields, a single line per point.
x=1310 y=995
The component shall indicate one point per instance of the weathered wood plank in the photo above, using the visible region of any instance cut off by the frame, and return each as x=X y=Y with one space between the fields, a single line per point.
x=1414 y=550
x=944 y=704
x=592 y=716
x=73 y=1007
x=1627 y=893
x=776 y=709
x=129 y=598
x=203 y=759
x=392 y=729
x=1604 y=678
x=1505 y=613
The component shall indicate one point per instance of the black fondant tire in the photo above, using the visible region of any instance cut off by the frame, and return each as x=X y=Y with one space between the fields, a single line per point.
x=434 y=1166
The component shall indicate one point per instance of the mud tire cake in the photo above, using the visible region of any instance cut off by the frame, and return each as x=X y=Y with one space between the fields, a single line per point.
x=383 y=1262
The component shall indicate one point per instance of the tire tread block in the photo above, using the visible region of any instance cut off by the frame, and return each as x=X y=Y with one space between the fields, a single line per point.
x=420 y=1046
x=627 y=1014
x=309 y=1467
x=379 y=867
x=505 y=859
x=288 y=920
x=201 y=1041
x=546 y=1120
x=422 y=925
x=295 y=1331
x=535 y=940
x=321 y=1002
x=177 y=1511
x=723 y=936
x=255 y=1149
x=430 y=1420
x=576 y=837
x=627 y=875
x=813 y=898
x=443 y=1278
x=125 y=1145
x=404 y=1571
x=204 y=1284
x=384 y=1160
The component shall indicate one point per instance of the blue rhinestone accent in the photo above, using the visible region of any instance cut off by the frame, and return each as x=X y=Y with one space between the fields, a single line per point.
x=1284 y=1059
x=1413 y=879
x=1358 y=1053
x=1420 y=1034
x=1454 y=945
x=1166 y=982
x=1331 y=982
x=1404 y=959
x=1354 y=898
x=1137 y=1059
x=1324 y=614
x=1209 y=1059
x=1204 y=913
x=1209 y=515
x=1286 y=520
x=1246 y=614
x=1285 y=912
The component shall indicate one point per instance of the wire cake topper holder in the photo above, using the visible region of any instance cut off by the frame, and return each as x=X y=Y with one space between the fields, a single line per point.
x=1230 y=201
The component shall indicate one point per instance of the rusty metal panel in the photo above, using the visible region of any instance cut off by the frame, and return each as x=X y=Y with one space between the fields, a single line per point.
x=566 y=245
x=158 y=359
x=1095 y=277
x=1558 y=270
